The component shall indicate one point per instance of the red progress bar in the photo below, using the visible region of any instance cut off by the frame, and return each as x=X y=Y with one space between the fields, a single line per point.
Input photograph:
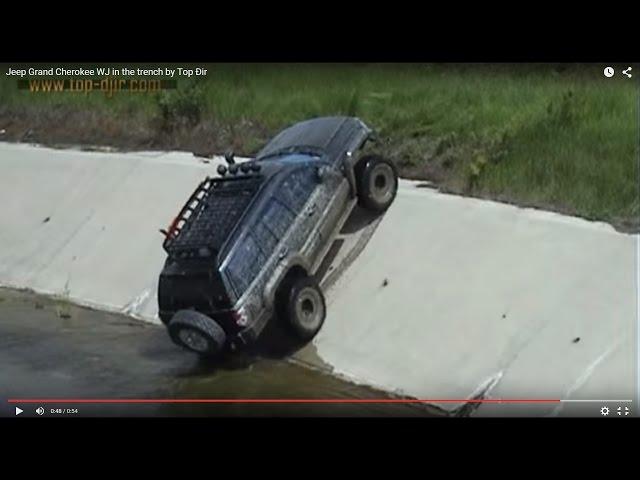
x=278 y=400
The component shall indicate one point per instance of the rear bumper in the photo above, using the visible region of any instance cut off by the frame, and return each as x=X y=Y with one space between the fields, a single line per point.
x=237 y=337
x=251 y=333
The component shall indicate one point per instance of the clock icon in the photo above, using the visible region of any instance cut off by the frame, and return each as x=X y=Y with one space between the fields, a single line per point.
x=609 y=72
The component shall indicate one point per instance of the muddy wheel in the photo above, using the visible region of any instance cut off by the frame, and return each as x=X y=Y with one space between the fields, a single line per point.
x=377 y=180
x=197 y=332
x=304 y=308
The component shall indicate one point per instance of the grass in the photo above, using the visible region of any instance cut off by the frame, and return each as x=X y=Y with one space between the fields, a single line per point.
x=62 y=304
x=563 y=138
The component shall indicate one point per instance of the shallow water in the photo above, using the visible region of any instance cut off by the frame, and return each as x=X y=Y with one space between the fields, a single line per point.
x=50 y=349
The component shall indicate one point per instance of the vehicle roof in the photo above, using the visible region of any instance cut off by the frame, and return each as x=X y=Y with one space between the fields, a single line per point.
x=325 y=137
x=327 y=134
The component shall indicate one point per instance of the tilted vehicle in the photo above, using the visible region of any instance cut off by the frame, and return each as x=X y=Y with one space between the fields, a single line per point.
x=248 y=243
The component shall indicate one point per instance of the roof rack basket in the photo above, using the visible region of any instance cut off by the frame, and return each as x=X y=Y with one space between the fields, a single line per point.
x=209 y=216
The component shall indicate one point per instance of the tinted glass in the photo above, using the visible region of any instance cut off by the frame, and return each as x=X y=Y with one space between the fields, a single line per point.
x=246 y=263
x=258 y=245
x=297 y=188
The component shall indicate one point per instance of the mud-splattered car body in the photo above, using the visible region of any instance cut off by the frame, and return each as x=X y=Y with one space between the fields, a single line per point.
x=243 y=238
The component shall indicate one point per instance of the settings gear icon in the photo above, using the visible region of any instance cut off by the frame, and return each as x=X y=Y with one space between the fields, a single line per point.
x=604 y=411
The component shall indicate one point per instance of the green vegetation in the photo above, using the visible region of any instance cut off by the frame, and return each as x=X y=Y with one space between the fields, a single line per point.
x=562 y=138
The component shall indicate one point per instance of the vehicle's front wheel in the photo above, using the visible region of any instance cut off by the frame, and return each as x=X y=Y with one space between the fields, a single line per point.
x=377 y=180
x=197 y=332
x=304 y=307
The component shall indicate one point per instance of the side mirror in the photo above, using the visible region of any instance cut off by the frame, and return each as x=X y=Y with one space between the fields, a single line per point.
x=229 y=157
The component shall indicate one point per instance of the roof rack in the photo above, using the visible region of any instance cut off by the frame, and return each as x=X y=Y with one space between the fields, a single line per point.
x=209 y=216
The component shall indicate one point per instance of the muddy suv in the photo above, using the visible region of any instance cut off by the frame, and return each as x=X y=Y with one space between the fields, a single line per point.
x=249 y=242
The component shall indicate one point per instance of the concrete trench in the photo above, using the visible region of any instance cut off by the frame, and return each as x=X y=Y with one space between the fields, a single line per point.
x=445 y=298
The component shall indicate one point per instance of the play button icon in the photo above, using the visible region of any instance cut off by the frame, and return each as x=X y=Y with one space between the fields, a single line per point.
x=18 y=410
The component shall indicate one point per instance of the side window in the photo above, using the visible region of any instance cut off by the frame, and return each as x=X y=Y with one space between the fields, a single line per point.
x=277 y=218
x=258 y=245
x=278 y=215
x=297 y=188
x=246 y=263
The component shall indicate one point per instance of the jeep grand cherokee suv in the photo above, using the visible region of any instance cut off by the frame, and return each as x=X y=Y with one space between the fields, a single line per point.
x=248 y=242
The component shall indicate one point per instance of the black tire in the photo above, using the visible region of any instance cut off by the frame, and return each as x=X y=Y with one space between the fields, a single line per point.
x=377 y=182
x=303 y=307
x=197 y=332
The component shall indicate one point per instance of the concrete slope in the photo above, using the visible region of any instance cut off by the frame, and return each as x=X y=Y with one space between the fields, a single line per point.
x=485 y=299
x=85 y=225
x=451 y=297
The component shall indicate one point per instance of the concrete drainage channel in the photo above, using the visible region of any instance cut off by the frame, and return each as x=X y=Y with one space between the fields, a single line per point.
x=444 y=298
x=52 y=348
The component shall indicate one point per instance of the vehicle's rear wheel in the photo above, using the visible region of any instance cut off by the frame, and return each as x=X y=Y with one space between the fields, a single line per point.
x=197 y=332
x=377 y=180
x=303 y=307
